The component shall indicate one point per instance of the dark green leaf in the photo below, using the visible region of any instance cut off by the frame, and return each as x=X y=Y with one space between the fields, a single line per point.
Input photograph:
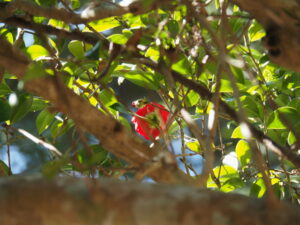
x=4 y=89
x=21 y=108
x=5 y=110
x=43 y=121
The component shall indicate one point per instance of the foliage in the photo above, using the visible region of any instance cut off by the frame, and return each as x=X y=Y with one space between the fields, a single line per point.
x=213 y=44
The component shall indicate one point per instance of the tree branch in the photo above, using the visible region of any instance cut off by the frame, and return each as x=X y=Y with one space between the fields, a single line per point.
x=92 y=11
x=88 y=202
x=87 y=37
x=281 y=20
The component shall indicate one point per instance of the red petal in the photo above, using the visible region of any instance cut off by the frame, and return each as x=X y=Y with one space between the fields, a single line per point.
x=143 y=127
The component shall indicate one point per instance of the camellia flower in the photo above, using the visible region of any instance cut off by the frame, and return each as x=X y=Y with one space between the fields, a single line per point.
x=150 y=119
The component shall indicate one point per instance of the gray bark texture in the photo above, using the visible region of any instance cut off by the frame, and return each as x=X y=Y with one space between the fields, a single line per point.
x=61 y=201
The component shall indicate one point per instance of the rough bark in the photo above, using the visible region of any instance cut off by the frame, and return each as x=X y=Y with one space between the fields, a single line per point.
x=281 y=20
x=73 y=201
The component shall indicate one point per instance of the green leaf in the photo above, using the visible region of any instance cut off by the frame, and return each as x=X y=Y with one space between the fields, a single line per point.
x=140 y=78
x=153 y=53
x=107 y=97
x=59 y=127
x=7 y=35
x=192 y=99
x=182 y=66
x=228 y=176
x=251 y=106
x=43 y=121
x=120 y=39
x=76 y=48
x=258 y=188
x=119 y=107
x=58 y=24
x=93 y=53
x=237 y=133
x=243 y=152
x=21 y=108
x=95 y=155
x=173 y=28
x=4 y=170
x=38 y=104
x=105 y=24
x=194 y=146
x=36 y=51
x=291 y=138
x=5 y=110
x=225 y=86
x=4 y=89
x=256 y=32
x=279 y=117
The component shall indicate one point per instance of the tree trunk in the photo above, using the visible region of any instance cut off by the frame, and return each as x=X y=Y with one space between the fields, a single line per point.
x=281 y=20
x=36 y=201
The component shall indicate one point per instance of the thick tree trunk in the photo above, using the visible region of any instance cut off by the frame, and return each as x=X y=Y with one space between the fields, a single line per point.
x=74 y=201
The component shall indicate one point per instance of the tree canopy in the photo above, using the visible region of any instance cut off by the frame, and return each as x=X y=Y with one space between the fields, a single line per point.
x=217 y=81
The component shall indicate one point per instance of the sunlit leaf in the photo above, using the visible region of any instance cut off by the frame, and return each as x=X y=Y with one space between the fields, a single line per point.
x=120 y=39
x=105 y=24
x=152 y=53
x=243 y=152
x=194 y=146
x=283 y=117
x=256 y=31
x=228 y=177
x=192 y=99
x=258 y=188
x=36 y=51
x=7 y=35
x=182 y=66
x=237 y=133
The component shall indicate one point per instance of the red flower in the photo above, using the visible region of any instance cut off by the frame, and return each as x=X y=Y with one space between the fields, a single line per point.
x=150 y=120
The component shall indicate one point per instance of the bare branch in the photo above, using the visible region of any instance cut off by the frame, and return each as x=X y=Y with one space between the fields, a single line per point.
x=92 y=11
x=87 y=37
